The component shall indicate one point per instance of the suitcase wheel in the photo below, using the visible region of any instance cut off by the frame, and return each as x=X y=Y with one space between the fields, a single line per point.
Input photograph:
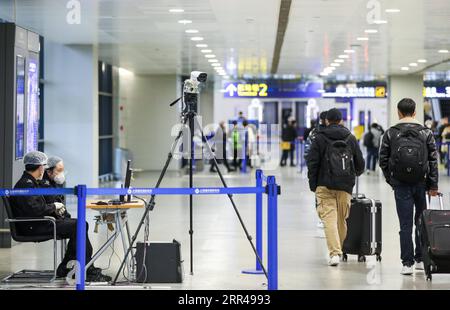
x=378 y=258
x=344 y=257
x=361 y=258
x=429 y=277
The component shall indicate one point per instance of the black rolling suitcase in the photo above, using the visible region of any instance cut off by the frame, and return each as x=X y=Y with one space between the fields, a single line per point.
x=363 y=228
x=435 y=237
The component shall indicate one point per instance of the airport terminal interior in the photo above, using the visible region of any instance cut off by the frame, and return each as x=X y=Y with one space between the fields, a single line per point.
x=94 y=85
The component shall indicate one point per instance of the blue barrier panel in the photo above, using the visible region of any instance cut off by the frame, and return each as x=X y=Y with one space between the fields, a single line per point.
x=175 y=191
x=36 y=191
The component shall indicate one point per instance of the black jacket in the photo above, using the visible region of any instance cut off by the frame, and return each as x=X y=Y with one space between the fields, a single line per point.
x=31 y=206
x=432 y=176
x=46 y=182
x=317 y=170
x=289 y=134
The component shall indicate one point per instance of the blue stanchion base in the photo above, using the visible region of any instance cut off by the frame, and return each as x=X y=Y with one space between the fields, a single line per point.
x=252 y=271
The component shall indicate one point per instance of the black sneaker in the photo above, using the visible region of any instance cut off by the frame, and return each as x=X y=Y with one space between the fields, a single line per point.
x=93 y=270
x=98 y=278
x=62 y=271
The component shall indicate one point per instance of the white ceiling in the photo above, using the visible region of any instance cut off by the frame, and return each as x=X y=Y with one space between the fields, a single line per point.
x=142 y=36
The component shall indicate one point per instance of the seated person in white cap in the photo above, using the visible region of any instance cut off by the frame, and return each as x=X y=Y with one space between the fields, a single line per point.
x=36 y=206
x=54 y=177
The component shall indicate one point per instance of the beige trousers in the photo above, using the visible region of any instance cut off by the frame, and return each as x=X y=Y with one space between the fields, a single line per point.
x=333 y=207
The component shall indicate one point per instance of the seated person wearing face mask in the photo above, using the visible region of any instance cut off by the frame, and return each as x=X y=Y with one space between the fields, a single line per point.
x=54 y=178
x=36 y=206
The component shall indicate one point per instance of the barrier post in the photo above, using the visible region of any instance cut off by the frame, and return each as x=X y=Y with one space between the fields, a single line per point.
x=297 y=154
x=448 y=158
x=302 y=154
x=259 y=225
x=272 y=240
x=81 y=235
x=244 y=154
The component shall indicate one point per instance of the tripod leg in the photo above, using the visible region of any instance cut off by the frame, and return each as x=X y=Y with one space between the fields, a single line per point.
x=230 y=196
x=150 y=204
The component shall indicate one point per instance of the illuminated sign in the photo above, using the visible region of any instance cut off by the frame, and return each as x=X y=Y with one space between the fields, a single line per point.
x=357 y=92
x=247 y=90
x=273 y=88
x=436 y=92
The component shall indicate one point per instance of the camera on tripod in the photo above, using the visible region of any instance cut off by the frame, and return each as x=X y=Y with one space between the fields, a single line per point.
x=191 y=90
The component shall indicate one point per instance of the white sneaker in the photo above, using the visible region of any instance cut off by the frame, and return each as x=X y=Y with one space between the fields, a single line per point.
x=334 y=260
x=407 y=270
x=419 y=266
x=319 y=224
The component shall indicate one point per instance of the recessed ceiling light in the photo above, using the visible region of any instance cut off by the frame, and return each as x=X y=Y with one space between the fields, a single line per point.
x=185 y=21
x=413 y=64
x=210 y=56
x=370 y=31
x=176 y=10
x=191 y=31
x=380 y=21
x=362 y=39
x=215 y=64
x=443 y=51
x=324 y=73
x=392 y=10
x=213 y=60
x=343 y=56
x=335 y=64
x=206 y=51
x=330 y=68
x=202 y=45
x=339 y=60
x=226 y=76
x=404 y=68
x=349 y=51
x=422 y=61
x=197 y=39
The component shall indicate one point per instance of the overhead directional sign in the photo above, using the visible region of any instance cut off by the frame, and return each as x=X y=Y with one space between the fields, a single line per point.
x=272 y=89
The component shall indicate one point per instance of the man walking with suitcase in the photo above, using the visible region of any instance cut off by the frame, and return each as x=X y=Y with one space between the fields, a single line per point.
x=408 y=158
x=334 y=161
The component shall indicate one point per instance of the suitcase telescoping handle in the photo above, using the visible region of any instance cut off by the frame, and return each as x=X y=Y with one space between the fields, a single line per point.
x=441 y=202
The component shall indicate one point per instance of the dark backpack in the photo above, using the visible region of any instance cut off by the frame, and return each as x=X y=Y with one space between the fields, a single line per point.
x=409 y=160
x=339 y=159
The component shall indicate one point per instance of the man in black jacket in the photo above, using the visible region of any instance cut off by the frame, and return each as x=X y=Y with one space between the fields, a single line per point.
x=410 y=190
x=36 y=206
x=334 y=161
x=289 y=134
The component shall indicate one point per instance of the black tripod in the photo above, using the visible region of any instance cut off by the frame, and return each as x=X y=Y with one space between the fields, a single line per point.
x=190 y=118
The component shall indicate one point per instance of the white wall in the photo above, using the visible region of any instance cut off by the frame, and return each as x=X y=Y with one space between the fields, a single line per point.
x=147 y=118
x=409 y=86
x=71 y=109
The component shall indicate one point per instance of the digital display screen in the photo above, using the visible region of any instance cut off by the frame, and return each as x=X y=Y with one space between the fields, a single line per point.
x=33 y=106
x=20 y=106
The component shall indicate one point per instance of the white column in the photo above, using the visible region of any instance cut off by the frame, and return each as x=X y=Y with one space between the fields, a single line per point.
x=71 y=109
x=405 y=86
